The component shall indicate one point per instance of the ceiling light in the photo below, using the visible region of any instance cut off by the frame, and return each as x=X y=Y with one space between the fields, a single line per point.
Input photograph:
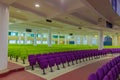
x=37 y=5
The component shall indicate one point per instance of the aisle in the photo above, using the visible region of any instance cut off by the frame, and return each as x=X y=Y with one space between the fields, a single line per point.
x=82 y=73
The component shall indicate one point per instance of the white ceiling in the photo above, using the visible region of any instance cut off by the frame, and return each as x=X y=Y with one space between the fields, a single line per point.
x=76 y=16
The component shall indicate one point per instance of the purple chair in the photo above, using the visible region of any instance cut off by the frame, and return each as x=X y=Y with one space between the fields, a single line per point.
x=43 y=63
x=114 y=73
x=93 y=77
x=32 y=60
x=100 y=74
x=63 y=60
x=51 y=62
x=76 y=57
x=111 y=77
x=72 y=58
x=106 y=77
x=105 y=69
x=68 y=59
x=58 y=62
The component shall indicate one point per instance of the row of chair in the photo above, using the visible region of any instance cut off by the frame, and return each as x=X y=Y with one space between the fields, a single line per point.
x=109 y=71
x=116 y=50
x=58 y=58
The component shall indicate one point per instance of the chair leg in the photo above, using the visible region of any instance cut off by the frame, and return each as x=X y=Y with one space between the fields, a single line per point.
x=44 y=72
x=10 y=57
x=83 y=60
x=32 y=67
x=23 y=61
x=63 y=65
x=58 y=67
x=76 y=61
x=72 y=63
x=51 y=70
x=16 y=59
x=86 y=59
x=68 y=64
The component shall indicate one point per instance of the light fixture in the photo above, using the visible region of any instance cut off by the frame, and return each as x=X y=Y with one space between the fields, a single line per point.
x=37 y=5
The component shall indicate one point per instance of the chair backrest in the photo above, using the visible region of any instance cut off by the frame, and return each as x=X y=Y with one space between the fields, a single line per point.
x=110 y=74
x=43 y=63
x=51 y=62
x=106 y=77
x=100 y=74
x=105 y=69
x=57 y=60
x=92 y=77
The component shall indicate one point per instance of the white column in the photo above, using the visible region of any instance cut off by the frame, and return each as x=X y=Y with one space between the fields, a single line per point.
x=25 y=41
x=96 y=37
x=4 y=21
x=65 y=39
x=49 y=38
x=58 y=38
x=100 y=41
x=89 y=39
x=75 y=37
x=35 y=37
x=115 y=40
x=81 y=39
x=41 y=39
x=19 y=37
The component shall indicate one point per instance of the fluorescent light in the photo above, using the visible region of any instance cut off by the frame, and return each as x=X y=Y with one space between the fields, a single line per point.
x=37 y=5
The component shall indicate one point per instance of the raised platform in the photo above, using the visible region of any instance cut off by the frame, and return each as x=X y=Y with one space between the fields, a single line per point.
x=17 y=72
x=12 y=67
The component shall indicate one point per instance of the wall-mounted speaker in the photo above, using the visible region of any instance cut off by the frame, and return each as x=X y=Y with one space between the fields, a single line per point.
x=28 y=30
x=109 y=25
x=48 y=20
x=71 y=34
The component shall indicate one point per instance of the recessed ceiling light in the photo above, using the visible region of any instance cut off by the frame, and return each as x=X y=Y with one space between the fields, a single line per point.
x=37 y=5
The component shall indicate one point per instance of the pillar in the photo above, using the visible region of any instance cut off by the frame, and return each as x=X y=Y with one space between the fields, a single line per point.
x=19 y=38
x=49 y=38
x=4 y=21
x=25 y=40
x=65 y=39
x=35 y=37
x=75 y=39
x=100 y=40
x=41 y=39
x=96 y=38
x=115 y=40
x=89 y=39
x=58 y=38
x=81 y=39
